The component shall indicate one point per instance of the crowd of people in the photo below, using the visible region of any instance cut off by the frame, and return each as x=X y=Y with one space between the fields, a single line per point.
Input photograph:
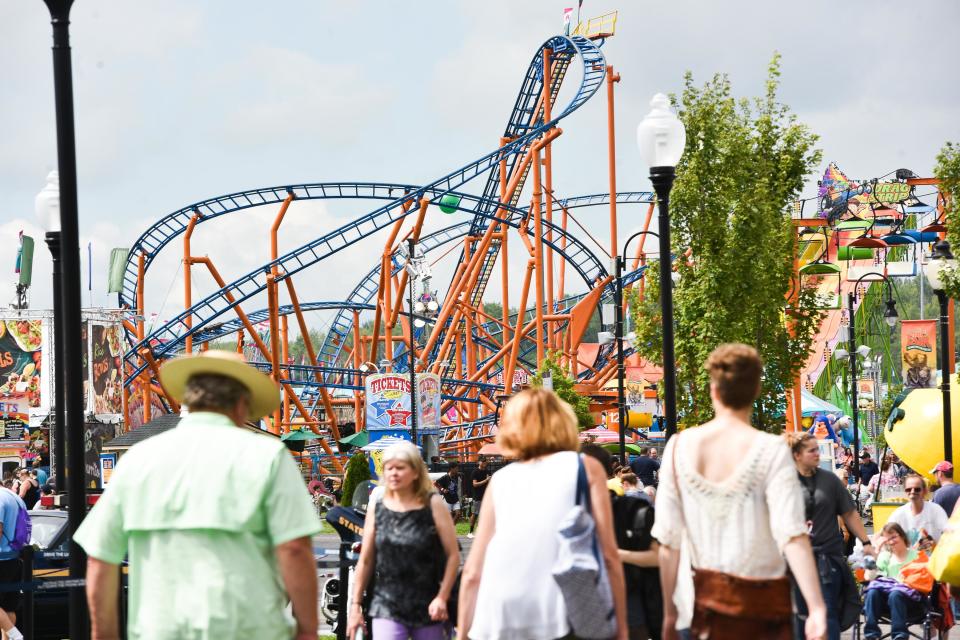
x=690 y=543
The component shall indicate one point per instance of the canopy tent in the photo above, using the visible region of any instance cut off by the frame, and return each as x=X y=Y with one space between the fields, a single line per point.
x=811 y=404
x=299 y=434
x=600 y=435
x=614 y=447
x=383 y=443
x=359 y=439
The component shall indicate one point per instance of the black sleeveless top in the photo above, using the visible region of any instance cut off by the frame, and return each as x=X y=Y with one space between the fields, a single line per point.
x=408 y=567
x=32 y=495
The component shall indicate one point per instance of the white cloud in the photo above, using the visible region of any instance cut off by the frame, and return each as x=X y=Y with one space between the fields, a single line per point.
x=291 y=96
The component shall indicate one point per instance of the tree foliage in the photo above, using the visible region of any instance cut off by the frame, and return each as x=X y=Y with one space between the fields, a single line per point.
x=358 y=471
x=744 y=165
x=947 y=171
x=563 y=386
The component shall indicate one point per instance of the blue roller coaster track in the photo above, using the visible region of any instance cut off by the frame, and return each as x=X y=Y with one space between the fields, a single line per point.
x=526 y=125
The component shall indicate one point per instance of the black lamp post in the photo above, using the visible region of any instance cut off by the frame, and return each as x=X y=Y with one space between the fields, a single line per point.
x=47 y=206
x=942 y=258
x=70 y=292
x=662 y=138
x=890 y=316
x=619 y=266
x=411 y=273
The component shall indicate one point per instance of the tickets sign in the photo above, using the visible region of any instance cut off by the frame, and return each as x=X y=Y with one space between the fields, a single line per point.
x=388 y=401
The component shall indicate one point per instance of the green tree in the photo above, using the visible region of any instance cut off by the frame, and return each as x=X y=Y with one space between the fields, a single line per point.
x=744 y=165
x=358 y=471
x=947 y=171
x=563 y=386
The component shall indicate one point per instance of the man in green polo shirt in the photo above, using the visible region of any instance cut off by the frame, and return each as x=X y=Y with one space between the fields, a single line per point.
x=214 y=519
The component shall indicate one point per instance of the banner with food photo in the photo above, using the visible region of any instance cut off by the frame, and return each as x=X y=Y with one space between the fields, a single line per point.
x=106 y=366
x=21 y=365
x=918 y=352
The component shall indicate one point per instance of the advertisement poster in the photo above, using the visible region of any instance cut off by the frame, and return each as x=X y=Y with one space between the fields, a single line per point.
x=428 y=401
x=95 y=435
x=918 y=343
x=21 y=366
x=14 y=419
x=107 y=462
x=135 y=404
x=521 y=378
x=865 y=396
x=106 y=360
x=388 y=401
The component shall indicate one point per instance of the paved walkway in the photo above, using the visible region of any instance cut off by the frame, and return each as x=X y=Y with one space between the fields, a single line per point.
x=332 y=542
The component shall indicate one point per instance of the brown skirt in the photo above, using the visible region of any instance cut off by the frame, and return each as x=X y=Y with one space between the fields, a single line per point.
x=729 y=607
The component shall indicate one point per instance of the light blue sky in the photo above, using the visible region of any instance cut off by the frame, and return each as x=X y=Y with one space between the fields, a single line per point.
x=177 y=101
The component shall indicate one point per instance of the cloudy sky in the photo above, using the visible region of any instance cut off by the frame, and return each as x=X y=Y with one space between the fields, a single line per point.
x=181 y=100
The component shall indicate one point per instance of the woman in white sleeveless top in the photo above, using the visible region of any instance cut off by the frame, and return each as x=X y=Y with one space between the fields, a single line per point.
x=507 y=591
x=741 y=508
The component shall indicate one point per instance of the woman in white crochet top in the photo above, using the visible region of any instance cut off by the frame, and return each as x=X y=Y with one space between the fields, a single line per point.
x=739 y=506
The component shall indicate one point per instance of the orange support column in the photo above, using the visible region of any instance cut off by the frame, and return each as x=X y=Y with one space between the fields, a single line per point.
x=285 y=355
x=187 y=282
x=612 y=160
x=142 y=333
x=538 y=255
x=274 y=344
x=312 y=355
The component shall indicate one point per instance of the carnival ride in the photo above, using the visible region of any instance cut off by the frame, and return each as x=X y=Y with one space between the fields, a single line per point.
x=862 y=237
x=857 y=229
x=455 y=338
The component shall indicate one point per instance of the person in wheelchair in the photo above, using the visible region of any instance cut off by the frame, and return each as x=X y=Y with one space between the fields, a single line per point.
x=894 y=599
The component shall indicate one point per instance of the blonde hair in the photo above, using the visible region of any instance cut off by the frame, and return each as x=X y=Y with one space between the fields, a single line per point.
x=407 y=453
x=797 y=440
x=536 y=422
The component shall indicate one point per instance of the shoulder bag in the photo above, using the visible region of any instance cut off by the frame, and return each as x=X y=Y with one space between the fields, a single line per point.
x=731 y=607
x=579 y=569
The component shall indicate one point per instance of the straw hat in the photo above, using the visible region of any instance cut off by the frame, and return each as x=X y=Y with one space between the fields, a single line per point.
x=264 y=394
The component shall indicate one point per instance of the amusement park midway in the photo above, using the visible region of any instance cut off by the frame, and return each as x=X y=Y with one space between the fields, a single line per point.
x=479 y=320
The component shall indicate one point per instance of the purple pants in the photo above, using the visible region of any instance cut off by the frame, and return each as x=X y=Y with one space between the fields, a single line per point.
x=384 y=629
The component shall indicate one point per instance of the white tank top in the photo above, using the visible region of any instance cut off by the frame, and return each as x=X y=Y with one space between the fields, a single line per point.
x=518 y=598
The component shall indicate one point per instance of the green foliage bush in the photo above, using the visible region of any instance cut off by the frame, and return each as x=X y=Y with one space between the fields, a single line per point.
x=358 y=471
x=563 y=387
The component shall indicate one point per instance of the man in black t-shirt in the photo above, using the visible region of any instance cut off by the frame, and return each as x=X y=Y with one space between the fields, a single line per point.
x=646 y=467
x=825 y=500
x=481 y=478
x=449 y=487
x=868 y=468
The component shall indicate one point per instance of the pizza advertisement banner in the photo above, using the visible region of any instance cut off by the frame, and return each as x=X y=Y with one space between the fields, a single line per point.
x=106 y=367
x=918 y=353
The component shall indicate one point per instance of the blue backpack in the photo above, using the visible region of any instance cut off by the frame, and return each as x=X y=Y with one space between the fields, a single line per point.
x=23 y=529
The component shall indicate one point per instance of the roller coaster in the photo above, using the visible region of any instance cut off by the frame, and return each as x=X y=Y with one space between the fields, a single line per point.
x=449 y=331
x=476 y=355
